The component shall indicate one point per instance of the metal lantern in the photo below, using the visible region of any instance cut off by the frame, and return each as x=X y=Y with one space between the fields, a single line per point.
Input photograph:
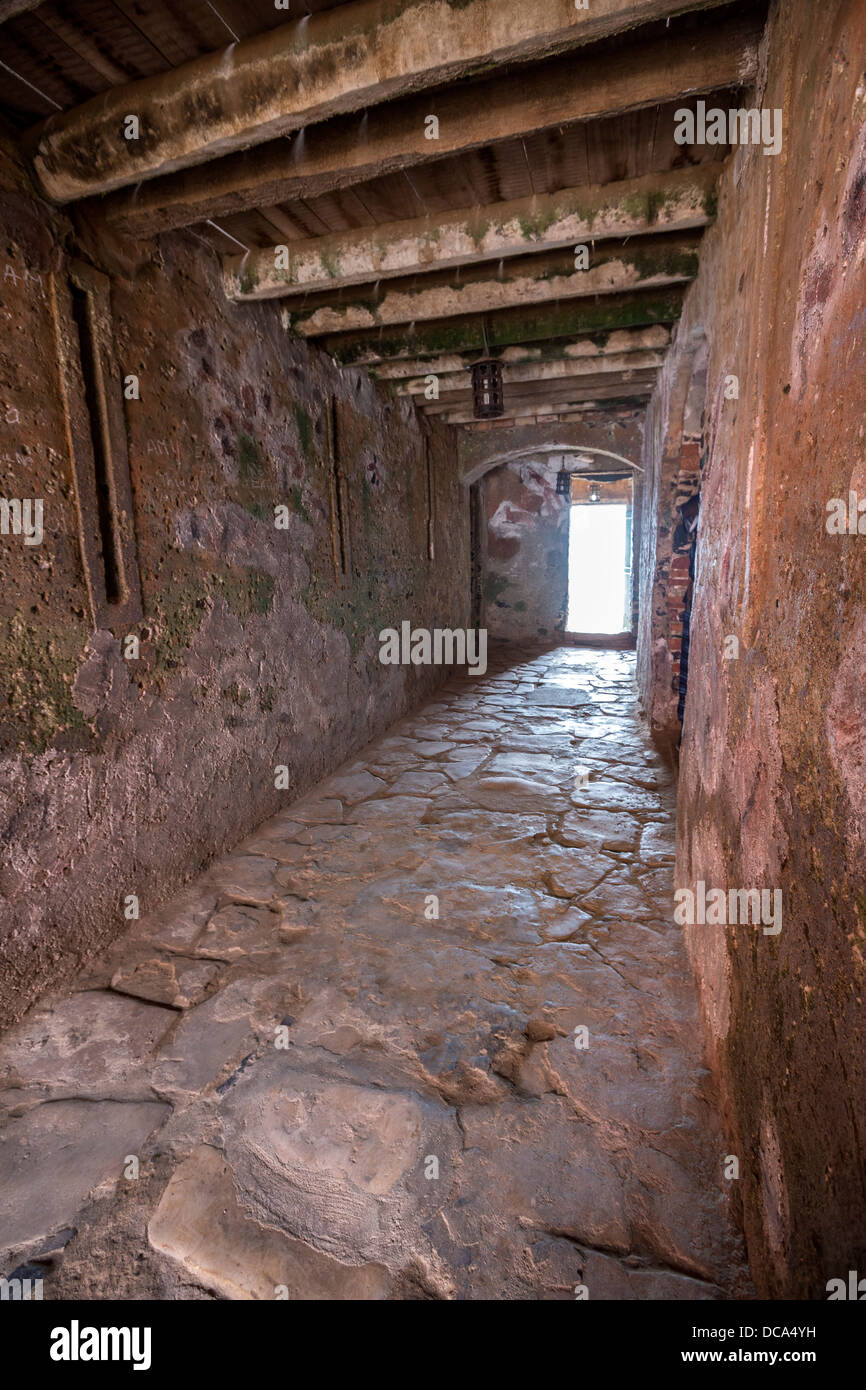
x=594 y=492
x=487 y=389
x=563 y=483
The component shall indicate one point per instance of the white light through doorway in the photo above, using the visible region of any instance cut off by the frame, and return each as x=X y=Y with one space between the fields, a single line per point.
x=596 y=567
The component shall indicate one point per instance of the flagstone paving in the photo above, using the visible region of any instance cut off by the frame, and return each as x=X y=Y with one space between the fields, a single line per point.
x=429 y=1033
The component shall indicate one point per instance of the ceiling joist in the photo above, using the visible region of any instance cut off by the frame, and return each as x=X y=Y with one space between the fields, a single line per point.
x=388 y=139
x=544 y=392
x=507 y=328
x=649 y=264
x=323 y=65
x=617 y=398
x=554 y=221
x=618 y=344
x=675 y=201
x=554 y=372
x=10 y=8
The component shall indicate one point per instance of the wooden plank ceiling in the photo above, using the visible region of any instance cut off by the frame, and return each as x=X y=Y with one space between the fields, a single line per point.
x=539 y=125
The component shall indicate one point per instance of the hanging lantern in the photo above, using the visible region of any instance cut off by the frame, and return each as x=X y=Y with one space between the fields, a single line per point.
x=594 y=492
x=563 y=483
x=487 y=390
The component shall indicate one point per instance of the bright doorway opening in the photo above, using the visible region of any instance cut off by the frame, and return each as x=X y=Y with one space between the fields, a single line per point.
x=599 y=567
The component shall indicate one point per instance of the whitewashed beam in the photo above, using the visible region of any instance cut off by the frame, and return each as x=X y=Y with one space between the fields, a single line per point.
x=676 y=201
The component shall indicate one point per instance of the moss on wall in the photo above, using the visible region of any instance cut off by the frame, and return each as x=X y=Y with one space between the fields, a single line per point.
x=161 y=761
x=40 y=662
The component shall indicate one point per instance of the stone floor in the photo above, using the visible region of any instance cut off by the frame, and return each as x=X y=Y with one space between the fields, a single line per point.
x=300 y=1081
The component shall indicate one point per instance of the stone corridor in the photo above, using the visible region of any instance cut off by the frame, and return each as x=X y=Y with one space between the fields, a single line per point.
x=300 y=1081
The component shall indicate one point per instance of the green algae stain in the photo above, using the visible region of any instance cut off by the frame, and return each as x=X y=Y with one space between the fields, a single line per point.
x=352 y=611
x=187 y=598
x=41 y=665
x=493 y=586
x=710 y=204
x=251 y=460
x=260 y=510
x=305 y=431
x=246 y=592
x=180 y=610
x=236 y=694
x=296 y=502
x=670 y=260
x=330 y=263
x=247 y=280
x=533 y=227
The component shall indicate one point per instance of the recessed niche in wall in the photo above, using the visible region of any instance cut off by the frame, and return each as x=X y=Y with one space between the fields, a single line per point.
x=339 y=501
x=96 y=433
x=431 y=500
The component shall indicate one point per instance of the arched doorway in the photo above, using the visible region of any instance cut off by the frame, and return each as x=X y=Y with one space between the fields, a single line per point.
x=554 y=537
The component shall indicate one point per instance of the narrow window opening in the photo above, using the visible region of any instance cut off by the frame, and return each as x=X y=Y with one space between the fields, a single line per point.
x=105 y=512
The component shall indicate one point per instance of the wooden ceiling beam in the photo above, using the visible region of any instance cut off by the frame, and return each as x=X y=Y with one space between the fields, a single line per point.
x=640 y=265
x=618 y=400
x=507 y=424
x=10 y=8
x=676 y=200
x=620 y=343
x=552 y=392
x=507 y=328
x=556 y=372
x=325 y=64
x=390 y=138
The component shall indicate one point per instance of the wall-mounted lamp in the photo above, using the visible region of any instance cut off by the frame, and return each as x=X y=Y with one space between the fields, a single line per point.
x=594 y=492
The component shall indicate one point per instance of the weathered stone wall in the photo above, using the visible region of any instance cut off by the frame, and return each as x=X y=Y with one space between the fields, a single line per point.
x=122 y=777
x=525 y=583
x=670 y=459
x=773 y=762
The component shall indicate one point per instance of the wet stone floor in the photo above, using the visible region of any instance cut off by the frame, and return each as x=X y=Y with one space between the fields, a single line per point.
x=429 y=1033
